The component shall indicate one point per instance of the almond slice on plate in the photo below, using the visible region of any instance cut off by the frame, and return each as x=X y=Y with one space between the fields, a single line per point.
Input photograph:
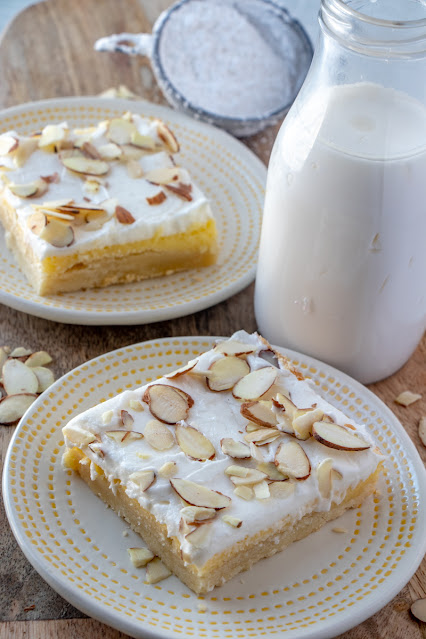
x=195 y=514
x=233 y=347
x=140 y=556
x=167 y=403
x=193 y=443
x=156 y=571
x=224 y=373
x=143 y=478
x=13 y=407
x=51 y=135
x=181 y=190
x=406 y=398
x=198 y=495
x=20 y=351
x=18 y=378
x=26 y=147
x=255 y=384
x=323 y=472
x=158 y=435
x=286 y=405
x=291 y=460
x=235 y=449
x=335 y=436
x=259 y=412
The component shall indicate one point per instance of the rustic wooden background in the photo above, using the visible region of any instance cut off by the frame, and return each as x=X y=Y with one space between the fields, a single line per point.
x=48 y=52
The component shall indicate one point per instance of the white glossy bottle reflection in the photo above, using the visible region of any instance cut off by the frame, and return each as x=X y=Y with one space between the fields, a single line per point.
x=342 y=264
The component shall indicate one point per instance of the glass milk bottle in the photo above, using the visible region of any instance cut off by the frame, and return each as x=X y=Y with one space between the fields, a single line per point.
x=342 y=265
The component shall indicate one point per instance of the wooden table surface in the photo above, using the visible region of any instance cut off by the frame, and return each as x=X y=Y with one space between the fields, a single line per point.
x=48 y=52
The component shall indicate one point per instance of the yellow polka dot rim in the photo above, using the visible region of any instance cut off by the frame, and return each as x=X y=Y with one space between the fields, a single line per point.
x=231 y=176
x=319 y=587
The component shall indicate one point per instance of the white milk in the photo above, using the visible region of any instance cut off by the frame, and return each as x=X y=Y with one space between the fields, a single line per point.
x=342 y=265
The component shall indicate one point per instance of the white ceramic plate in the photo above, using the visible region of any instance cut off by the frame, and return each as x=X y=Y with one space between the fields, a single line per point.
x=229 y=174
x=319 y=587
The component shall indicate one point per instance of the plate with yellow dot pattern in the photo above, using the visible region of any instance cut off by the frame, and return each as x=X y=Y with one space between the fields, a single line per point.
x=317 y=588
x=229 y=174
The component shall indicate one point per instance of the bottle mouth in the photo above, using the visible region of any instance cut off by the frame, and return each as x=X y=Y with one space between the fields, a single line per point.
x=377 y=33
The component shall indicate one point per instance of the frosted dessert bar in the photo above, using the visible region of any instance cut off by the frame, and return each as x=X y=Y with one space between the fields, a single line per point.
x=225 y=461
x=102 y=205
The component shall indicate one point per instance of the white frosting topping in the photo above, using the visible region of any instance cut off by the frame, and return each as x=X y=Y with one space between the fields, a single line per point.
x=173 y=215
x=217 y=415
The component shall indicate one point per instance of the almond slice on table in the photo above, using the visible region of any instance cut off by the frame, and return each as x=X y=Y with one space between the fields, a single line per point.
x=303 y=421
x=181 y=371
x=418 y=609
x=422 y=430
x=156 y=571
x=259 y=412
x=143 y=478
x=253 y=477
x=18 y=378
x=224 y=373
x=291 y=460
x=167 y=137
x=13 y=407
x=20 y=351
x=324 y=477
x=335 y=436
x=199 y=536
x=8 y=144
x=57 y=233
x=44 y=376
x=158 y=435
x=262 y=436
x=193 y=443
x=84 y=165
x=235 y=449
x=195 y=514
x=140 y=556
x=198 y=495
x=255 y=384
x=167 y=403
x=233 y=347
x=406 y=398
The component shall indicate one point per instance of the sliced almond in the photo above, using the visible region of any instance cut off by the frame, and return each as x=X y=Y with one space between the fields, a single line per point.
x=140 y=556
x=44 y=376
x=232 y=521
x=110 y=151
x=51 y=179
x=123 y=215
x=261 y=490
x=120 y=131
x=251 y=428
x=115 y=435
x=126 y=419
x=18 y=378
x=255 y=384
x=90 y=150
x=167 y=137
x=8 y=144
x=134 y=169
x=131 y=436
x=158 y=435
x=107 y=416
x=224 y=373
x=156 y=571
x=286 y=405
x=57 y=234
x=199 y=536
x=130 y=152
x=198 y=495
x=262 y=436
x=195 y=514
x=256 y=453
x=13 y=407
x=136 y=405
x=157 y=199
x=234 y=449
x=163 y=175
x=335 y=436
x=339 y=529
x=291 y=460
x=167 y=403
x=259 y=412
x=244 y=492
x=271 y=471
x=323 y=472
x=36 y=222
x=303 y=421
x=281 y=490
x=143 y=478
x=406 y=398
x=26 y=148
x=145 y=142
x=237 y=471
x=253 y=477
x=181 y=190
x=168 y=470
x=193 y=443
x=20 y=351
x=77 y=435
x=233 y=347
x=422 y=430
x=182 y=371
x=84 y=165
x=3 y=356
x=32 y=189
x=52 y=135
x=418 y=609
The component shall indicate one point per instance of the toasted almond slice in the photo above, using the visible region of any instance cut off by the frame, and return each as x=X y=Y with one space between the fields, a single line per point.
x=224 y=373
x=18 y=378
x=335 y=436
x=57 y=234
x=418 y=609
x=253 y=477
x=52 y=135
x=8 y=144
x=199 y=536
x=291 y=460
x=120 y=131
x=262 y=436
x=192 y=514
x=281 y=489
x=198 y=495
x=303 y=421
x=87 y=166
x=259 y=412
x=140 y=556
x=168 y=470
x=167 y=137
x=232 y=521
x=145 y=142
x=26 y=147
x=237 y=471
x=261 y=490
x=406 y=398
x=143 y=478
x=255 y=384
x=123 y=215
x=126 y=419
x=20 y=351
x=235 y=449
x=422 y=430
x=136 y=405
x=13 y=407
x=233 y=347
x=193 y=443
x=271 y=471
x=44 y=376
x=156 y=571
x=245 y=492
x=167 y=403
x=163 y=175
x=323 y=472
x=157 y=199
x=36 y=222
x=77 y=435
x=181 y=371
x=158 y=435
x=110 y=151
